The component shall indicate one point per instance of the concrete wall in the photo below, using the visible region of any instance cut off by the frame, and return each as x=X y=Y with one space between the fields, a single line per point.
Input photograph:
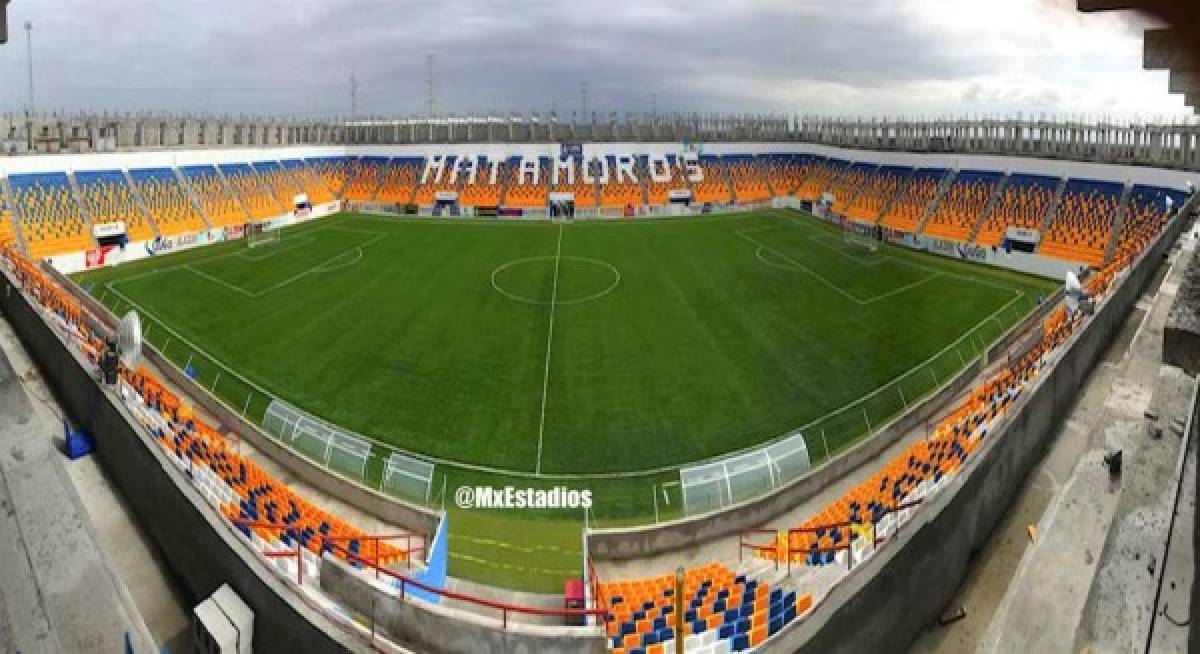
x=886 y=602
x=200 y=549
x=385 y=507
x=433 y=628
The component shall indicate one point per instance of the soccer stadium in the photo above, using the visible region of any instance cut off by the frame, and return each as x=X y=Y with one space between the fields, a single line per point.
x=631 y=382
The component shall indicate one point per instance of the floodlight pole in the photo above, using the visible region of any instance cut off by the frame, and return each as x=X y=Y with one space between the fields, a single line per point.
x=29 y=59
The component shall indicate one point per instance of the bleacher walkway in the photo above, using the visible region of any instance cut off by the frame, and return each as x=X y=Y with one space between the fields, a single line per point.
x=58 y=592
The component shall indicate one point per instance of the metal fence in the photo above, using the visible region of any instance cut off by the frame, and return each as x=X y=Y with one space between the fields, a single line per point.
x=717 y=484
x=346 y=452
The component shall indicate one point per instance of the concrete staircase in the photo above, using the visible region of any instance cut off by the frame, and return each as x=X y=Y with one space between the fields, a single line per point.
x=6 y=191
x=942 y=188
x=991 y=206
x=887 y=204
x=141 y=202
x=1053 y=211
x=87 y=218
x=728 y=178
x=764 y=168
x=184 y=184
x=1118 y=223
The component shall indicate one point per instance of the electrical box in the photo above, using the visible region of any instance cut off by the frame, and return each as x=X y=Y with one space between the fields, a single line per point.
x=223 y=624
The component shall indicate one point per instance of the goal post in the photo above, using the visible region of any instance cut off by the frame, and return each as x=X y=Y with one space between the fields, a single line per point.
x=260 y=233
x=860 y=235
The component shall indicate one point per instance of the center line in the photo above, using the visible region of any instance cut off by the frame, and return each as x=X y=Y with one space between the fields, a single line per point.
x=549 y=340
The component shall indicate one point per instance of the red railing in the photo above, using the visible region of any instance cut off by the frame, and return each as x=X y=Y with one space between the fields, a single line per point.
x=773 y=546
x=408 y=536
x=503 y=607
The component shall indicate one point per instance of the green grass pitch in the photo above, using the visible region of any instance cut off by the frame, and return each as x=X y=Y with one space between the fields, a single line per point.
x=609 y=352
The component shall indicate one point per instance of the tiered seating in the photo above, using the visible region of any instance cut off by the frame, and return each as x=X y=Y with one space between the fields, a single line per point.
x=845 y=185
x=715 y=185
x=426 y=194
x=910 y=206
x=363 y=178
x=749 y=176
x=482 y=193
x=254 y=195
x=50 y=220
x=1083 y=222
x=658 y=193
x=332 y=171
x=1023 y=203
x=818 y=175
x=220 y=206
x=719 y=607
x=399 y=180
x=875 y=507
x=107 y=198
x=624 y=193
x=8 y=232
x=1145 y=217
x=962 y=205
x=276 y=182
x=585 y=192
x=527 y=195
x=877 y=189
x=239 y=488
x=785 y=171
x=308 y=181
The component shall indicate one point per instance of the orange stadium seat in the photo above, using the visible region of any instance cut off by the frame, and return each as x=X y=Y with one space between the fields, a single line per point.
x=260 y=200
x=426 y=192
x=846 y=184
x=818 y=174
x=963 y=205
x=107 y=198
x=483 y=192
x=749 y=176
x=714 y=187
x=658 y=193
x=8 y=231
x=220 y=206
x=785 y=172
x=332 y=171
x=585 y=193
x=278 y=184
x=308 y=181
x=527 y=195
x=49 y=217
x=910 y=206
x=622 y=193
x=1023 y=204
x=397 y=180
x=363 y=178
x=1083 y=222
x=718 y=606
x=1148 y=211
x=879 y=187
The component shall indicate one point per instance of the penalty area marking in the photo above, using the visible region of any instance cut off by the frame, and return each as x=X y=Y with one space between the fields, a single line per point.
x=555 y=301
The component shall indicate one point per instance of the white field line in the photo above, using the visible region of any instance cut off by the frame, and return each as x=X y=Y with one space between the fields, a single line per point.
x=217 y=280
x=569 y=476
x=549 y=341
x=844 y=293
x=319 y=267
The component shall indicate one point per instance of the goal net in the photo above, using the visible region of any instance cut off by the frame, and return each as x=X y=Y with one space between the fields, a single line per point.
x=859 y=235
x=260 y=234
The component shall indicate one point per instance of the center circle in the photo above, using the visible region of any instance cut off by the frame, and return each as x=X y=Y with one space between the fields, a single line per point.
x=580 y=280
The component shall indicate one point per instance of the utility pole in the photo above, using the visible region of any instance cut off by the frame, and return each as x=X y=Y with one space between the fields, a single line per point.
x=429 y=84
x=29 y=55
x=353 y=95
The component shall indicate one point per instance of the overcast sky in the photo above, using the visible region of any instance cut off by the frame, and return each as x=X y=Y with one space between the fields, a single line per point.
x=844 y=57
